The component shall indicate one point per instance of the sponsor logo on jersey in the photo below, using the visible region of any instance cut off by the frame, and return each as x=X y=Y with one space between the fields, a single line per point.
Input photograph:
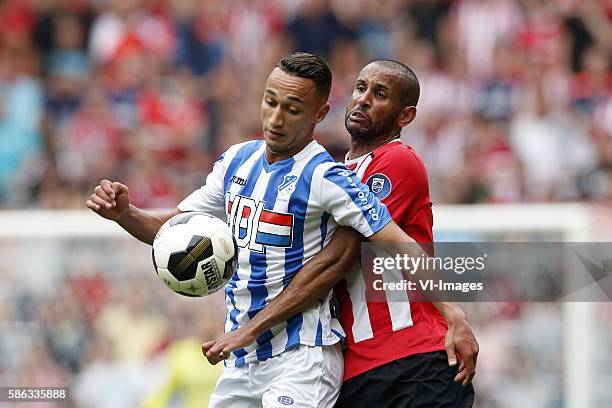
x=239 y=180
x=379 y=185
x=362 y=198
x=255 y=227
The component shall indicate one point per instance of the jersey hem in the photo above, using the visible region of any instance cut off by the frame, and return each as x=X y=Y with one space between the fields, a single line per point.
x=275 y=352
x=382 y=361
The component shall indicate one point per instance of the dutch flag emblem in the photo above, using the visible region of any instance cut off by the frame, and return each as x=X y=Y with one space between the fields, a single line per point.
x=274 y=229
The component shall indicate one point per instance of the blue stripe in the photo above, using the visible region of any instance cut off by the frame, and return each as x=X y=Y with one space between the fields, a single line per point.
x=243 y=155
x=360 y=195
x=272 y=239
x=240 y=355
x=246 y=190
x=319 y=337
x=234 y=312
x=229 y=292
x=294 y=325
x=324 y=221
x=253 y=177
x=264 y=351
x=340 y=336
x=257 y=280
x=294 y=256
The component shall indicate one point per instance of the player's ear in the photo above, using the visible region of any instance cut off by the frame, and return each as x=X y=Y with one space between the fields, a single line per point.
x=322 y=113
x=406 y=116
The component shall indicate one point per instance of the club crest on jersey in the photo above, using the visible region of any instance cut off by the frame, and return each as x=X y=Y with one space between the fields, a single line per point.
x=288 y=184
x=379 y=185
x=255 y=227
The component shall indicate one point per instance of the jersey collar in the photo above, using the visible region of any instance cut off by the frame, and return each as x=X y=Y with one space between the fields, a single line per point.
x=357 y=161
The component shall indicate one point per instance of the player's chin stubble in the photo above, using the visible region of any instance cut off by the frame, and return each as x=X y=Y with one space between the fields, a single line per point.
x=357 y=131
x=370 y=131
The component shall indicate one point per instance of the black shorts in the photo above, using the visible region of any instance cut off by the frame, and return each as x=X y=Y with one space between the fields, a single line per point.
x=421 y=380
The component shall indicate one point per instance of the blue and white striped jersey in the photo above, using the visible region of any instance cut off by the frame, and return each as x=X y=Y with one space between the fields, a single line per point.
x=282 y=215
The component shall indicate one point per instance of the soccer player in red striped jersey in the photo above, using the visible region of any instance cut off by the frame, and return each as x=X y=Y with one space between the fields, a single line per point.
x=397 y=353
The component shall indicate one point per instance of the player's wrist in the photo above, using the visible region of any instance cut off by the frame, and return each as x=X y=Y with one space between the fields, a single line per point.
x=124 y=215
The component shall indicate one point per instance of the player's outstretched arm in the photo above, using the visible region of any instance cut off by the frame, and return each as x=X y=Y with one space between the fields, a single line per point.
x=313 y=282
x=111 y=200
x=460 y=338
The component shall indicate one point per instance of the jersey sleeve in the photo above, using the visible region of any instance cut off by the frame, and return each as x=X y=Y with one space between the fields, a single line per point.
x=350 y=203
x=399 y=179
x=210 y=198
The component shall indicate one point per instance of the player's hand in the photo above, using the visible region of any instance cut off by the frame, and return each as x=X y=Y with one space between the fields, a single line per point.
x=460 y=339
x=220 y=349
x=110 y=200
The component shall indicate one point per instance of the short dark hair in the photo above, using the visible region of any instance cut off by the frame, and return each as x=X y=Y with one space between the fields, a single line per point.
x=304 y=65
x=409 y=84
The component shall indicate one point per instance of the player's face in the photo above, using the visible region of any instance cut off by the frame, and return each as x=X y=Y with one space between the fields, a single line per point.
x=375 y=106
x=290 y=110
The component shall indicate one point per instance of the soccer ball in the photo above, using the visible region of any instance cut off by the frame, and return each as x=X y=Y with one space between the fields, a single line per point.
x=195 y=254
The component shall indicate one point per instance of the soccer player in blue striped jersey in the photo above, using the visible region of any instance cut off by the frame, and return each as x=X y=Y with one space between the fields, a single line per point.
x=283 y=198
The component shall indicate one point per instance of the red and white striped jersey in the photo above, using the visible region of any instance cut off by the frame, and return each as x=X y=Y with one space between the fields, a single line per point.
x=380 y=332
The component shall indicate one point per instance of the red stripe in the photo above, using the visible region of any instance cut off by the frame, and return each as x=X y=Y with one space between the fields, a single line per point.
x=276 y=218
x=246 y=211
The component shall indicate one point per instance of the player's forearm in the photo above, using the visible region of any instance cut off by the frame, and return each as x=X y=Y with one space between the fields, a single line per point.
x=394 y=238
x=395 y=241
x=313 y=282
x=143 y=225
x=308 y=286
x=451 y=311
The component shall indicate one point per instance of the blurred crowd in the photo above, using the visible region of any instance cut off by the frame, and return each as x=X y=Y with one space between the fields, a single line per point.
x=515 y=103
x=101 y=324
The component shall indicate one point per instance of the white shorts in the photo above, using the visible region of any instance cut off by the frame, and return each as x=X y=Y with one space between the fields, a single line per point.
x=303 y=377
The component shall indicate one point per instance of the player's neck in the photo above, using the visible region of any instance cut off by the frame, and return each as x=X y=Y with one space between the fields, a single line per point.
x=273 y=157
x=360 y=147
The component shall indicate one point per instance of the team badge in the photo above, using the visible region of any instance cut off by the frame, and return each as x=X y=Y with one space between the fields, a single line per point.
x=288 y=184
x=379 y=185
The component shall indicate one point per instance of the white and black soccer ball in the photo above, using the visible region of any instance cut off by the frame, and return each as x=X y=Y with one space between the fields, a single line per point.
x=195 y=254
